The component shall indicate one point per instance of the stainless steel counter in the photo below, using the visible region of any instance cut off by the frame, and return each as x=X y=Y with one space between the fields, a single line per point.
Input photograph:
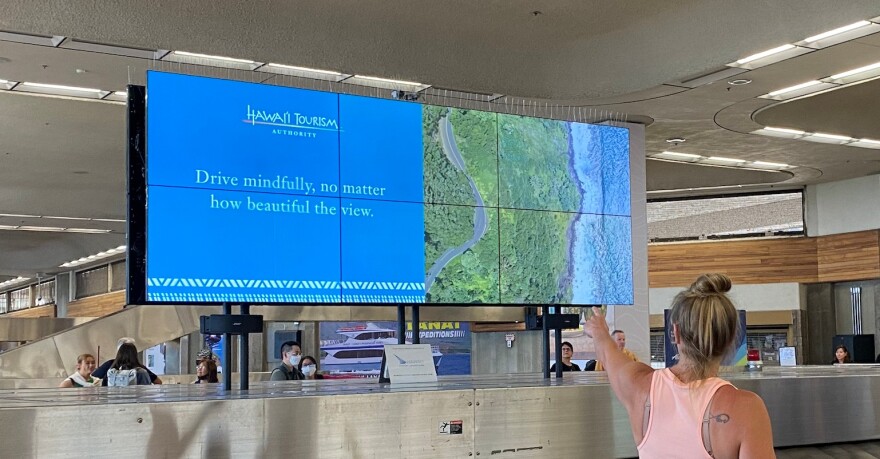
x=505 y=416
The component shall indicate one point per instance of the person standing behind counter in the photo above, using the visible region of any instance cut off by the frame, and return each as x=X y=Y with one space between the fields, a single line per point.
x=567 y=365
x=620 y=339
x=82 y=377
x=291 y=353
x=841 y=355
x=686 y=410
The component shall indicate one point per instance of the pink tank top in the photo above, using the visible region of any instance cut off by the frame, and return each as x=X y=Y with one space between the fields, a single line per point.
x=675 y=424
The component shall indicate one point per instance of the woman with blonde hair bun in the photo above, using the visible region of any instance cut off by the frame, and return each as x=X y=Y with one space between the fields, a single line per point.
x=687 y=410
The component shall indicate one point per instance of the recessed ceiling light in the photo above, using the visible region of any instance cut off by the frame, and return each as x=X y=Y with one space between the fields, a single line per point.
x=795 y=87
x=722 y=159
x=91 y=258
x=302 y=69
x=386 y=80
x=837 y=31
x=832 y=136
x=764 y=54
x=785 y=130
x=852 y=72
x=676 y=140
x=739 y=82
x=14 y=281
x=210 y=56
x=769 y=164
x=680 y=155
x=60 y=87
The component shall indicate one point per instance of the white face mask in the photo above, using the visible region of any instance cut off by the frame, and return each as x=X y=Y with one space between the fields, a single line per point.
x=308 y=369
x=294 y=359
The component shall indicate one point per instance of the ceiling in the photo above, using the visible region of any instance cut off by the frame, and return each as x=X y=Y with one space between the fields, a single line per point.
x=635 y=60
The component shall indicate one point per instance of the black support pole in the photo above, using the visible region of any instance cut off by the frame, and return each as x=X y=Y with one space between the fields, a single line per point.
x=415 y=324
x=557 y=333
x=244 y=356
x=401 y=324
x=545 y=332
x=227 y=352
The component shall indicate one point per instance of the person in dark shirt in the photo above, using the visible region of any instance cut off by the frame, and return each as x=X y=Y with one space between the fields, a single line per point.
x=567 y=364
x=291 y=354
x=101 y=372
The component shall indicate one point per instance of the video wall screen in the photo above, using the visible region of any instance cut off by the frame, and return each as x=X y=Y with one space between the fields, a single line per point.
x=267 y=194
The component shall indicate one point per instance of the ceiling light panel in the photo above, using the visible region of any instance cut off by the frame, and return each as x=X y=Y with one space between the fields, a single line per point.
x=822 y=137
x=865 y=143
x=770 y=56
x=386 y=83
x=768 y=165
x=142 y=53
x=798 y=90
x=840 y=35
x=784 y=133
x=720 y=160
x=856 y=74
x=53 y=229
x=93 y=258
x=17 y=280
x=186 y=57
x=675 y=156
x=117 y=96
x=29 y=39
x=303 y=72
x=60 y=90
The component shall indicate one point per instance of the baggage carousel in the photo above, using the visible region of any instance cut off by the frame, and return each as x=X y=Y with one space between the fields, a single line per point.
x=499 y=416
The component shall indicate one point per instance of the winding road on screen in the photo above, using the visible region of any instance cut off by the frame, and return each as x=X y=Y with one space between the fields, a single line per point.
x=481 y=220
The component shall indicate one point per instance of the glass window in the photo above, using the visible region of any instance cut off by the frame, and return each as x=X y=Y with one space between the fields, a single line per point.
x=658 y=346
x=91 y=282
x=768 y=341
x=117 y=276
x=45 y=293
x=3 y=304
x=20 y=299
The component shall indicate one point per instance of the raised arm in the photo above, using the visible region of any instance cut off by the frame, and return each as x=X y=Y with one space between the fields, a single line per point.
x=631 y=381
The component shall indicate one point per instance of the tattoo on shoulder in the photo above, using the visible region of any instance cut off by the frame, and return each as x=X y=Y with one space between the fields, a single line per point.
x=722 y=418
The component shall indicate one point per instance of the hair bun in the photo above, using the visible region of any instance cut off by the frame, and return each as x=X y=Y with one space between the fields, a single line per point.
x=713 y=283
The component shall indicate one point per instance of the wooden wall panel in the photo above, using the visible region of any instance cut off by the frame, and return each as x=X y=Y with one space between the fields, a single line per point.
x=97 y=306
x=835 y=258
x=37 y=311
x=850 y=256
x=745 y=262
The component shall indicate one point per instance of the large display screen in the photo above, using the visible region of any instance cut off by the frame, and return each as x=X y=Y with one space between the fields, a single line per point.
x=267 y=194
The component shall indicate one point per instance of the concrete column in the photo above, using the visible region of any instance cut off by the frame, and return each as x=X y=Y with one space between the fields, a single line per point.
x=62 y=293
x=821 y=323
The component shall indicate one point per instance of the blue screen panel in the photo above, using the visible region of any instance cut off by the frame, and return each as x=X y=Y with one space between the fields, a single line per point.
x=220 y=134
x=380 y=149
x=383 y=258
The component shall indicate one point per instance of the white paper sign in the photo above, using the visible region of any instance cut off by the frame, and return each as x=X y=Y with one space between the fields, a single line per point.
x=410 y=363
x=787 y=357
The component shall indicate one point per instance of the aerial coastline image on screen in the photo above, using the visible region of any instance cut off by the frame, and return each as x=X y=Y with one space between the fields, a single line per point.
x=267 y=194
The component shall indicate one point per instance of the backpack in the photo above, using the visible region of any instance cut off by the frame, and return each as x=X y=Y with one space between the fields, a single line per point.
x=118 y=378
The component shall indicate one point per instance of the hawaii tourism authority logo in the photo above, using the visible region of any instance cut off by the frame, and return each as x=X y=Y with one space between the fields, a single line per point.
x=290 y=124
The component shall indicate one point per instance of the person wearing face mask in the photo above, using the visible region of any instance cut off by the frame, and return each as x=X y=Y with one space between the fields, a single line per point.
x=291 y=354
x=309 y=367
